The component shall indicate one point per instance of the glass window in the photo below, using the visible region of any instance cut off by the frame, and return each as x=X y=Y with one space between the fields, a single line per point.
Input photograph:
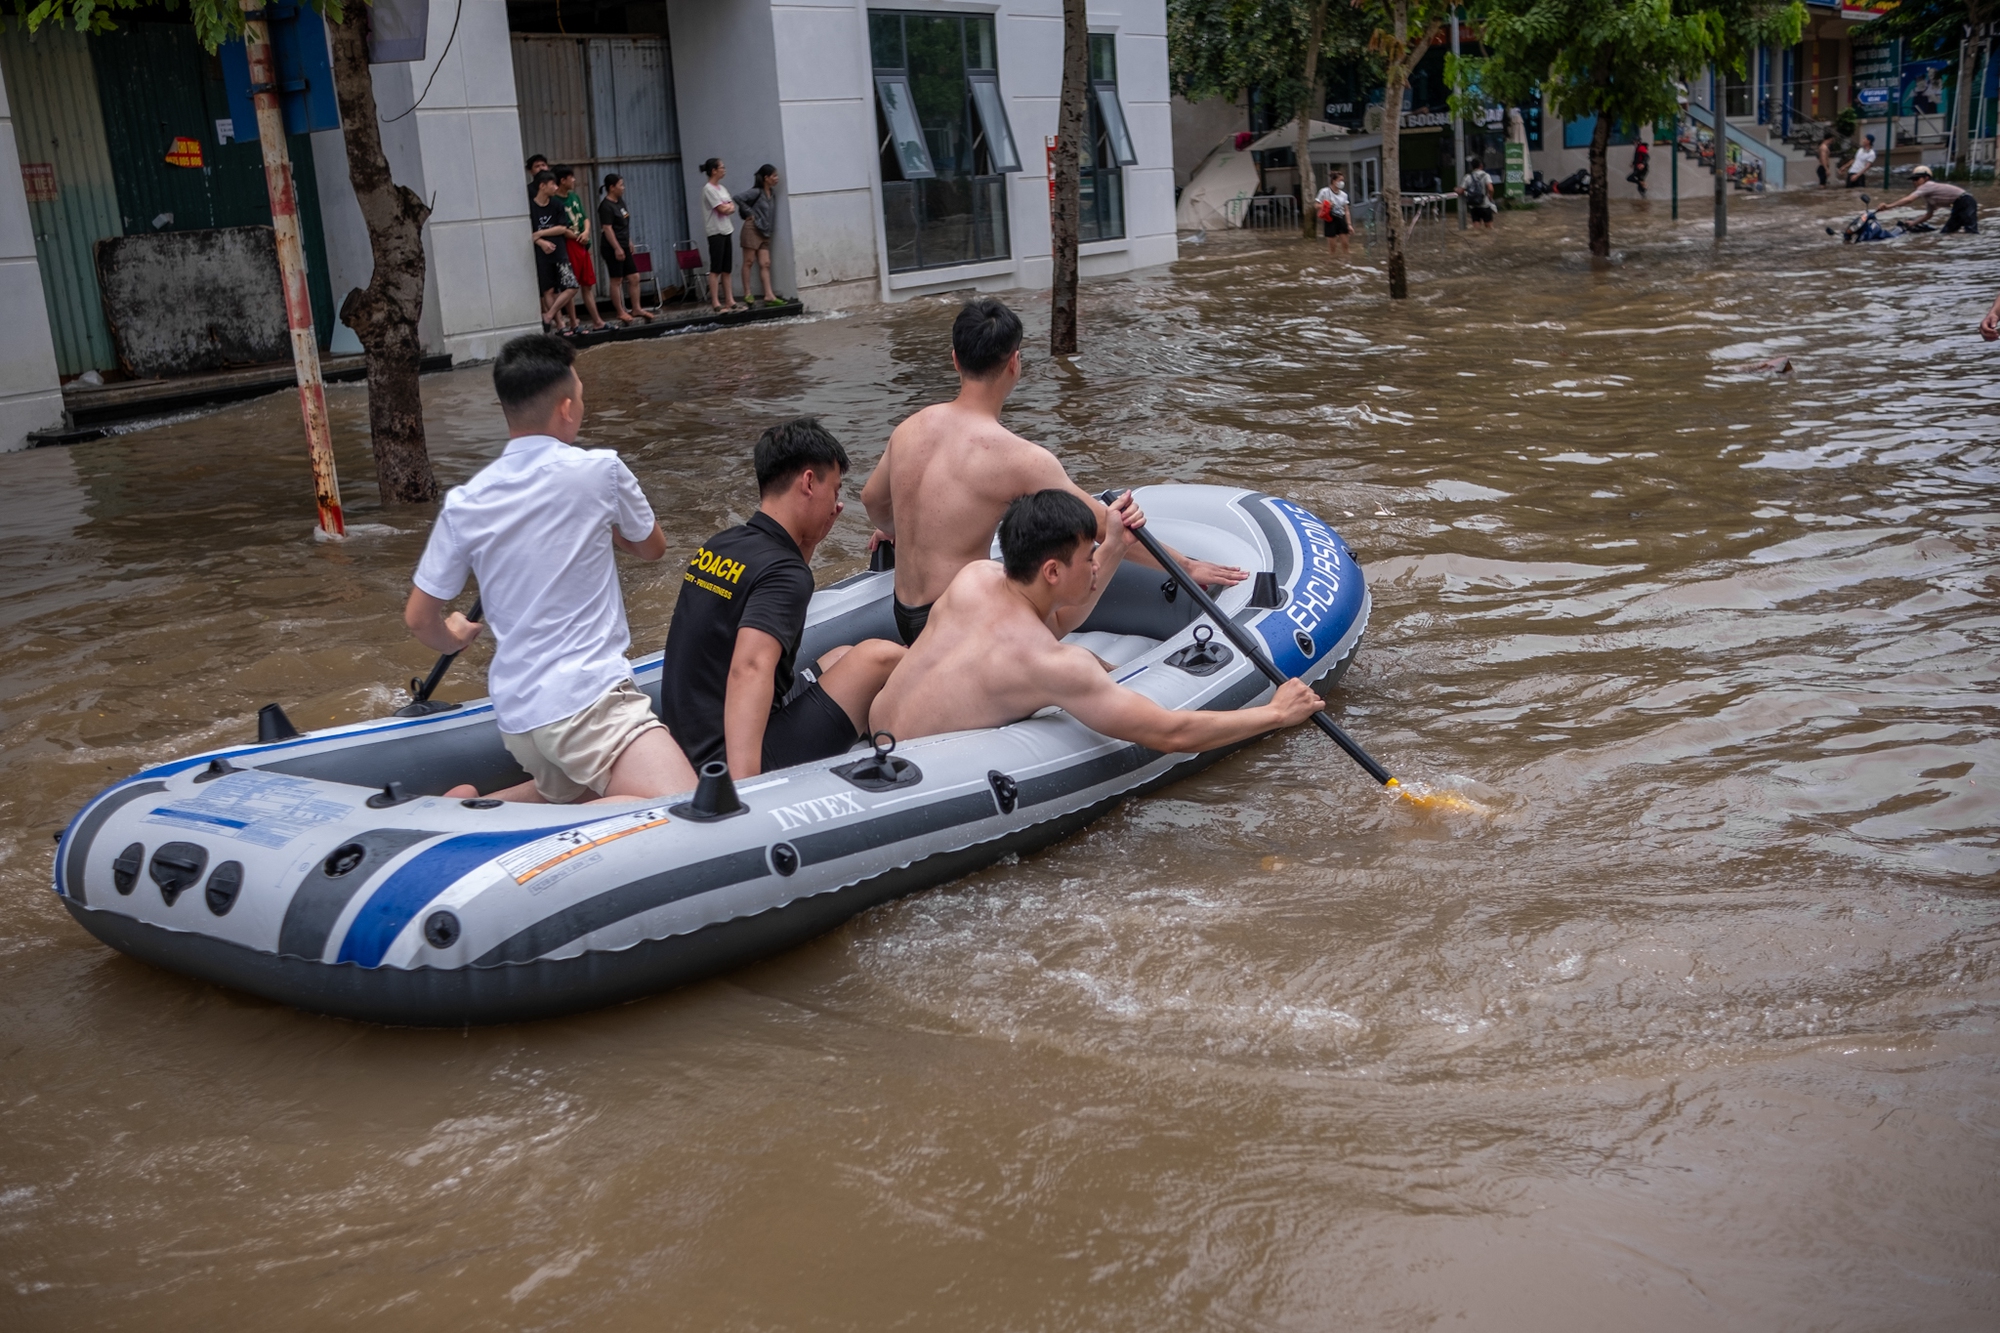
x=905 y=136
x=993 y=121
x=944 y=139
x=1101 y=189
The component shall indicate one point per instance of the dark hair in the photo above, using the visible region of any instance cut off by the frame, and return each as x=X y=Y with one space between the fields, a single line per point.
x=764 y=173
x=528 y=367
x=563 y=170
x=543 y=177
x=1044 y=526
x=534 y=158
x=984 y=335
x=710 y=165
x=611 y=178
x=785 y=451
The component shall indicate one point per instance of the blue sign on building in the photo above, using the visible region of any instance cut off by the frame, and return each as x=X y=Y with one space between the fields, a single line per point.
x=304 y=70
x=1873 y=99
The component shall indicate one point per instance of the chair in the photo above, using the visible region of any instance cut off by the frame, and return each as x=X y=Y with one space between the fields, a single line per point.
x=692 y=265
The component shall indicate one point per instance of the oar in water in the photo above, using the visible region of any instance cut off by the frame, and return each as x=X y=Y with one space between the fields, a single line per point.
x=421 y=704
x=1250 y=648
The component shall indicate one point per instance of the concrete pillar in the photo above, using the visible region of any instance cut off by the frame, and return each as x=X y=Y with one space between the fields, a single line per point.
x=30 y=389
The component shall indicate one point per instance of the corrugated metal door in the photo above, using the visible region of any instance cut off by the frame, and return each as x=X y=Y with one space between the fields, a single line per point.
x=632 y=112
x=52 y=88
x=156 y=84
x=604 y=104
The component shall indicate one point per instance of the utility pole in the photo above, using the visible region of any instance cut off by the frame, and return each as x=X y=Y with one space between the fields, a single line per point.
x=1721 y=152
x=1457 y=122
x=292 y=267
x=1889 y=121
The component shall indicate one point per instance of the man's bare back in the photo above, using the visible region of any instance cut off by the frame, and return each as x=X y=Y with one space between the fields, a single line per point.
x=950 y=471
x=990 y=656
x=948 y=474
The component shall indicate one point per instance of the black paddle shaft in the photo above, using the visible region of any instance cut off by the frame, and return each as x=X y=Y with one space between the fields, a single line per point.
x=1251 y=649
x=420 y=691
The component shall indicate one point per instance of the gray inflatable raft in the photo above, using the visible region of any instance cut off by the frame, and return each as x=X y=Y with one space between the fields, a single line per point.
x=296 y=871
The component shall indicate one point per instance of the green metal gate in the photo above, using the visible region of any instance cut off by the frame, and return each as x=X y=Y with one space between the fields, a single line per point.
x=157 y=84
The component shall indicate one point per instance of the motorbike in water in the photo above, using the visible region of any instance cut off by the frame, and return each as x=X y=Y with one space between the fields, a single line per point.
x=1865 y=227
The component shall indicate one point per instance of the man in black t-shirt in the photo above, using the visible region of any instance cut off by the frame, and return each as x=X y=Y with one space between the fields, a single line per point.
x=730 y=685
x=548 y=220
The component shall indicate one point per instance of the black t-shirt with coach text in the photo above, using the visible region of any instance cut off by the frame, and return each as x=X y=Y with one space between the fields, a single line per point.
x=751 y=575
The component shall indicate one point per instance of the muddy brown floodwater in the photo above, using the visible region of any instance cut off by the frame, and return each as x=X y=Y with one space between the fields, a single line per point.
x=1698 y=1032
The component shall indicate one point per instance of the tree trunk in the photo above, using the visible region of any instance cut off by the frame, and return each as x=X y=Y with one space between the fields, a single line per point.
x=1066 y=206
x=1600 y=187
x=1309 y=103
x=1961 y=102
x=384 y=314
x=1392 y=156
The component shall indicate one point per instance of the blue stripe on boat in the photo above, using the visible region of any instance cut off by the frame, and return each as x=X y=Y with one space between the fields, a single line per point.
x=417 y=882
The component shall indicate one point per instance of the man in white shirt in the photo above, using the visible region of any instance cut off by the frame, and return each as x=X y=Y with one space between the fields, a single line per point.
x=537 y=527
x=1476 y=190
x=1864 y=158
x=716 y=206
x=1332 y=204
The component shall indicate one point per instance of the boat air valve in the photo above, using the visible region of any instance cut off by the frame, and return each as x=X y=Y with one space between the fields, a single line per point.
x=1005 y=790
x=1264 y=591
x=223 y=886
x=785 y=858
x=881 y=771
x=343 y=859
x=273 y=725
x=125 y=870
x=392 y=793
x=1203 y=657
x=441 y=930
x=714 y=796
x=176 y=866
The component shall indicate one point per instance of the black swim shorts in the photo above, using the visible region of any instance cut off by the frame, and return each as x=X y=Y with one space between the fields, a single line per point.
x=809 y=726
x=720 y=256
x=910 y=621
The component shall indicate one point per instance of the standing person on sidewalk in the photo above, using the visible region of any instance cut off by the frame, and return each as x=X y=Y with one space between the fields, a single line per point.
x=1332 y=204
x=1825 y=158
x=536 y=164
x=716 y=207
x=578 y=242
x=548 y=221
x=614 y=241
x=758 y=207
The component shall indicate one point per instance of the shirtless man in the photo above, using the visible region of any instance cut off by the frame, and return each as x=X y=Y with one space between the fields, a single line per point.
x=950 y=471
x=992 y=654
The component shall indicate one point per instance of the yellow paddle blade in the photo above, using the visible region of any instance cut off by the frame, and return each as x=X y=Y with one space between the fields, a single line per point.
x=1433 y=799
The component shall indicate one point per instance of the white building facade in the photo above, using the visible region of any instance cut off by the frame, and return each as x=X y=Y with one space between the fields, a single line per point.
x=909 y=136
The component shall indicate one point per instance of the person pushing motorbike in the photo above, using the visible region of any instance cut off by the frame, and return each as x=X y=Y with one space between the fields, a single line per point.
x=1935 y=194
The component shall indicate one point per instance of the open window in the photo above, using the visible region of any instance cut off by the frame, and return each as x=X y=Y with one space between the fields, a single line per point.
x=991 y=108
x=906 y=137
x=1118 y=138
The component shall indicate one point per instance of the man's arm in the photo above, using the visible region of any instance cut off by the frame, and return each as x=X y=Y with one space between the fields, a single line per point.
x=746 y=707
x=1089 y=696
x=652 y=548
x=1989 y=328
x=425 y=617
x=876 y=501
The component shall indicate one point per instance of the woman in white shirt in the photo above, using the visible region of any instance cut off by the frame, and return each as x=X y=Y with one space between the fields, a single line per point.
x=1332 y=205
x=716 y=206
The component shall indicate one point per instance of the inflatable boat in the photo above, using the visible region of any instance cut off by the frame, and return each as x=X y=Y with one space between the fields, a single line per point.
x=324 y=871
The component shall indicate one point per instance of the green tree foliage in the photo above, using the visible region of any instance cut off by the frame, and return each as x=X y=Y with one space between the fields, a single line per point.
x=1933 y=28
x=1617 y=60
x=215 y=21
x=1225 y=48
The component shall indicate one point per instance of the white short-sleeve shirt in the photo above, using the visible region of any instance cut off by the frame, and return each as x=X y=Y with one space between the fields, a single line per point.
x=717 y=222
x=533 y=527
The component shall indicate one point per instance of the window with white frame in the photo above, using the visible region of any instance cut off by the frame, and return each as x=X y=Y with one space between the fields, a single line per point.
x=1108 y=149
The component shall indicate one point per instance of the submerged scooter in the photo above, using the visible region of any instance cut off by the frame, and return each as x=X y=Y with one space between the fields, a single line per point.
x=1866 y=228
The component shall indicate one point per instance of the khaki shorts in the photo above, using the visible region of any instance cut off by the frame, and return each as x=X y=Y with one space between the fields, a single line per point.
x=571 y=760
x=753 y=240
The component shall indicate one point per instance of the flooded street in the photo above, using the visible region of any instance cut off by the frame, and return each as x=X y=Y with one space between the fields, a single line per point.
x=1697 y=1032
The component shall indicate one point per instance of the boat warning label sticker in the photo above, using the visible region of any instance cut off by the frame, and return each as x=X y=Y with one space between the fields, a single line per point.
x=555 y=858
x=262 y=809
